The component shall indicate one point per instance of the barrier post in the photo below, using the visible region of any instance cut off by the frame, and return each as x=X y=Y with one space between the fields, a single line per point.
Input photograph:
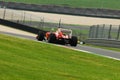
x=109 y=33
x=97 y=29
x=118 y=34
x=103 y=33
x=93 y=31
x=90 y=32
x=4 y=13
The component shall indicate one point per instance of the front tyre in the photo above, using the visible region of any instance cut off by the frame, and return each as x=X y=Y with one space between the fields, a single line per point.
x=73 y=41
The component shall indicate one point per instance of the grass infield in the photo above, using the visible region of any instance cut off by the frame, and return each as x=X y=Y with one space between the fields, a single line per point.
x=109 y=4
x=22 y=59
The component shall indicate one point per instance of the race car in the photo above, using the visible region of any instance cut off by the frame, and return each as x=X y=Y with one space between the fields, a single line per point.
x=61 y=36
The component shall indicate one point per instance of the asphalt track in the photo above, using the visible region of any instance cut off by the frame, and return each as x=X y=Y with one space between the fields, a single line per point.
x=93 y=50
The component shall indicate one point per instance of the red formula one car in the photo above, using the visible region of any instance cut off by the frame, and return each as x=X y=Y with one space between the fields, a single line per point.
x=61 y=36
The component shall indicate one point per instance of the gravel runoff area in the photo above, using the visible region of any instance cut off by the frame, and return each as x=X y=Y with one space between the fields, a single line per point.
x=50 y=17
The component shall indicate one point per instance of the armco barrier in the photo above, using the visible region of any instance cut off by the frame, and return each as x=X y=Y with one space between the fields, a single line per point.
x=19 y=26
x=103 y=42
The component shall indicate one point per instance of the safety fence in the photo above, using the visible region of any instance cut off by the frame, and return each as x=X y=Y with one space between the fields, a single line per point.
x=108 y=32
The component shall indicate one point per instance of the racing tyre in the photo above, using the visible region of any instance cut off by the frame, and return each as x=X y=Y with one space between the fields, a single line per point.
x=40 y=36
x=52 y=38
x=73 y=41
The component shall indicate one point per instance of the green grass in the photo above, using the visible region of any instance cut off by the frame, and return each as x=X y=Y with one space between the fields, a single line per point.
x=22 y=59
x=109 y=4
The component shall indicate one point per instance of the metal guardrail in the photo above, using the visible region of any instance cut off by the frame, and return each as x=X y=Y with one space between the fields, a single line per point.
x=104 y=42
x=20 y=26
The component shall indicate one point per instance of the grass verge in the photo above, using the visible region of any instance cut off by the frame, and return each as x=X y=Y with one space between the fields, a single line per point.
x=22 y=59
x=109 y=4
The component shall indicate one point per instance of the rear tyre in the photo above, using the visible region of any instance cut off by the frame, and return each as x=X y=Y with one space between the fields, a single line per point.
x=40 y=36
x=52 y=38
x=73 y=41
